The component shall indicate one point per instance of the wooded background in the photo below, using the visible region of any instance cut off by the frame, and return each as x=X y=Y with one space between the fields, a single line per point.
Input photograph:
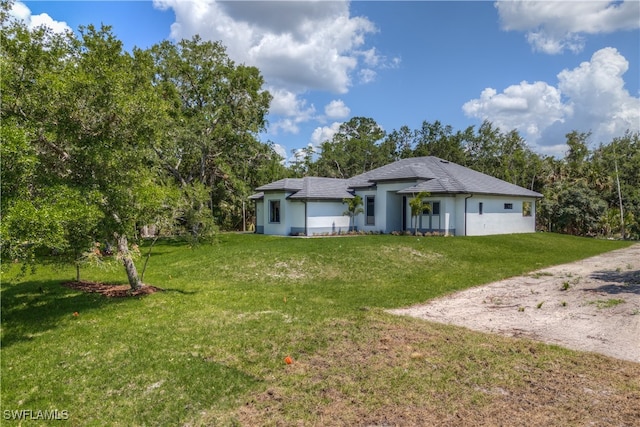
x=98 y=142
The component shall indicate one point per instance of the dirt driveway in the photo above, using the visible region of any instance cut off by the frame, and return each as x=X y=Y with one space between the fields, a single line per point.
x=590 y=305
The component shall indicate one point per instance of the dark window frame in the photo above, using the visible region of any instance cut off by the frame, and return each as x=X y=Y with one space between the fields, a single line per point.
x=435 y=211
x=480 y=208
x=274 y=211
x=370 y=210
x=508 y=206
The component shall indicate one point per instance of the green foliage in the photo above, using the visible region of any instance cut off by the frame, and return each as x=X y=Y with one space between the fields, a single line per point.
x=19 y=163
x=69 y=136
x=59 y=220
x=580 y=190
x=418 y=205
x=623 y=155
x=354 y=208
x=353 y=150
x=434 y=139
x=579 y=210
x=215 y=109
x=98 y=142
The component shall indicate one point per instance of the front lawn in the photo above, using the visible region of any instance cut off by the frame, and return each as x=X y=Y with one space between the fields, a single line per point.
x=210 y=349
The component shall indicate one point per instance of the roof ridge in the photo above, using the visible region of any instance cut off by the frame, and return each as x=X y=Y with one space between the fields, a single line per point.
x=450 y=177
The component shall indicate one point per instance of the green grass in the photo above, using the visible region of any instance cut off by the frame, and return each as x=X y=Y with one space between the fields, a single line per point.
x=231 y=312
x=608 y=303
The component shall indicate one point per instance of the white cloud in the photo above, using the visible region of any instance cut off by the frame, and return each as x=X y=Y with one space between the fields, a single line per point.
x=300 y=154
x=318 y=136
x=324 y=133
x=598 y=97
x=555 y=26
x=296 y=45
x=21 y=12
x=288 y=103
x=371 y=57
x=280 y=150
x=299 y=46
x=591 y=97
x=45 y=20
x=367 y=75
x=529 y=107
x=336 y=109
x=291 y=109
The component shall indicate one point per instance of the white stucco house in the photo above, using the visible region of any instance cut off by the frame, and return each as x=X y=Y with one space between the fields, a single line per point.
x=463 y=202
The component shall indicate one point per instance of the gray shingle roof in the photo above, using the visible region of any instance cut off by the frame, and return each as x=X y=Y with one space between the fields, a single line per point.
x=405 y=169
x=286 y=184
x=323 y=188
x=308 y=188
x=429 y=174
x=440 y=176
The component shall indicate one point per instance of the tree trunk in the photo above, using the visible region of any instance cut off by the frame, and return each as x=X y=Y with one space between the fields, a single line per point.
x=127 y=261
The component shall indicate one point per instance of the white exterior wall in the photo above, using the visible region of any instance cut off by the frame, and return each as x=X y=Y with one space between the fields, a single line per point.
x=260 y=216
x=444 y=222
x=326 y=217
x=458 y=208
x=361 y=219
x=389 y=214
x=295 y=212
x=495 y=219
x=283 y=227
x=448 y=214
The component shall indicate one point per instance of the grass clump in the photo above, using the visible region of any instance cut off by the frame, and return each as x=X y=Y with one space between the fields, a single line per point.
x=608 y=303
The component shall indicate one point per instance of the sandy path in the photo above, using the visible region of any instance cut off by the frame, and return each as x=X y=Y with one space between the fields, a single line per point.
x=589 y=305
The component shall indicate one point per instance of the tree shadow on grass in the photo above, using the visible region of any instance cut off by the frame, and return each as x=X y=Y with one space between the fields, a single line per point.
x=179 y=291
x=31 y=308
x=617 y=282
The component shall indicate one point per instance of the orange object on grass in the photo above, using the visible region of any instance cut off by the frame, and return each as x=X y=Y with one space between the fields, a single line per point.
x=75 y=313
x=288 y=360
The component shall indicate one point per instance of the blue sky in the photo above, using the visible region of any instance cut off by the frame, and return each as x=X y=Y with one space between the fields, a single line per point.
x=544 y=68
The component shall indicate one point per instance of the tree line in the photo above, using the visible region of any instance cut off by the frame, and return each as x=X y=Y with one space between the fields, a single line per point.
x=98 y=142
x=588 y=192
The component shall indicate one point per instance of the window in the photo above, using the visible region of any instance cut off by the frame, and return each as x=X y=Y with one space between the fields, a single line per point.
x=508 y=205
x=526 y=208
x=370 y=210
x=435 y=208
x=480 y=208
x=274 y=211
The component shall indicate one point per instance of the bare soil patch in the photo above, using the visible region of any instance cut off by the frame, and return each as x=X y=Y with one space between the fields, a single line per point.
x=590 y=305
x=430 y=374
x=111 y=290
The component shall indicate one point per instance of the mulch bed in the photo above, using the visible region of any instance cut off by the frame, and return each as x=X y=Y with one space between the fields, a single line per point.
x=111 y=290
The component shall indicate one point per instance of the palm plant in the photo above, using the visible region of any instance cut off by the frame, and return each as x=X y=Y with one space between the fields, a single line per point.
x=418 y=205
x=354 y=208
